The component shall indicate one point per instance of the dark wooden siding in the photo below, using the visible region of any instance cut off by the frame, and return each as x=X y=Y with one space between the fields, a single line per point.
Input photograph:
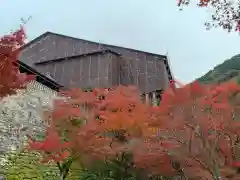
x=148 y=71
x=99 y=70
x=53 y=47
x=149 y=74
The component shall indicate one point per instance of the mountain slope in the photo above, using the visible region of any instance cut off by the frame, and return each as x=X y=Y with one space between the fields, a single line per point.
x=228 y=70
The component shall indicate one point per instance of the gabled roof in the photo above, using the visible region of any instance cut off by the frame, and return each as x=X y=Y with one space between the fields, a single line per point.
x=70 y=37
x=39 y=77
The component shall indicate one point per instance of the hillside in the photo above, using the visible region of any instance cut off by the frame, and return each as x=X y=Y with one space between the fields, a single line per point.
x=228 y=70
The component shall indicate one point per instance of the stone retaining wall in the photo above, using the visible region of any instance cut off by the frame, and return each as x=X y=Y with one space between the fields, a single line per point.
x=21 y=115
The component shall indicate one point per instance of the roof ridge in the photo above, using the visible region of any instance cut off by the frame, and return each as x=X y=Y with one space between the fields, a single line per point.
x=108 y=45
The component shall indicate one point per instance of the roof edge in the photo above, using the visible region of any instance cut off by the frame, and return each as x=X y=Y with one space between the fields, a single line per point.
x=40 y=77
x=80 y=55
x=34 y=40
x=109 y=45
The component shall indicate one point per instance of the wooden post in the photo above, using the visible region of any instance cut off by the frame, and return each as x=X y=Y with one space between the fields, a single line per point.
x=147 y=98
x=154 y=99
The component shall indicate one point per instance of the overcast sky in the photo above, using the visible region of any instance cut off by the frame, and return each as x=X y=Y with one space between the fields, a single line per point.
x=151 y=25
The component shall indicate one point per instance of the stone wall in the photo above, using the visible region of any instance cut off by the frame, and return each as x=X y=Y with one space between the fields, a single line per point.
x=22 y=115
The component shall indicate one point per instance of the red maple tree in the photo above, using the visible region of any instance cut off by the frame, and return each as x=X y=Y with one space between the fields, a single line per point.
x=10 y=78
x=194 y=132
x=94 y=125
x=197 y=128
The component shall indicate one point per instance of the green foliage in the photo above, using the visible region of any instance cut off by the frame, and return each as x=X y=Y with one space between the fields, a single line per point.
x=225 y=71
x=232 y=63
x=207 y=77
x=121 y=168
x=27 y=165
x=75 y=171
x=238 y=80
x=70 y=169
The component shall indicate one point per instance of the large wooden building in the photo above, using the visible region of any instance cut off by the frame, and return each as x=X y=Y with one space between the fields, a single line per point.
x=64 y=61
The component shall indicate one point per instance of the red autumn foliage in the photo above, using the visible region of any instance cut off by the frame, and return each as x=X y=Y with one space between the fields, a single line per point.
x=225 y=13
x=201 y=123
x=54 y=148
x=94 y=138
x=194 y=132
x=10 y=77
x=199 y=2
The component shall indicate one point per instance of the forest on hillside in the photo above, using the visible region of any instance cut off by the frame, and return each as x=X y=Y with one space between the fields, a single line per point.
x=228 y=70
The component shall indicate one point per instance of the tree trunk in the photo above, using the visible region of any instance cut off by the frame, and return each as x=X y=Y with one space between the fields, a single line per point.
x=61 y=176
